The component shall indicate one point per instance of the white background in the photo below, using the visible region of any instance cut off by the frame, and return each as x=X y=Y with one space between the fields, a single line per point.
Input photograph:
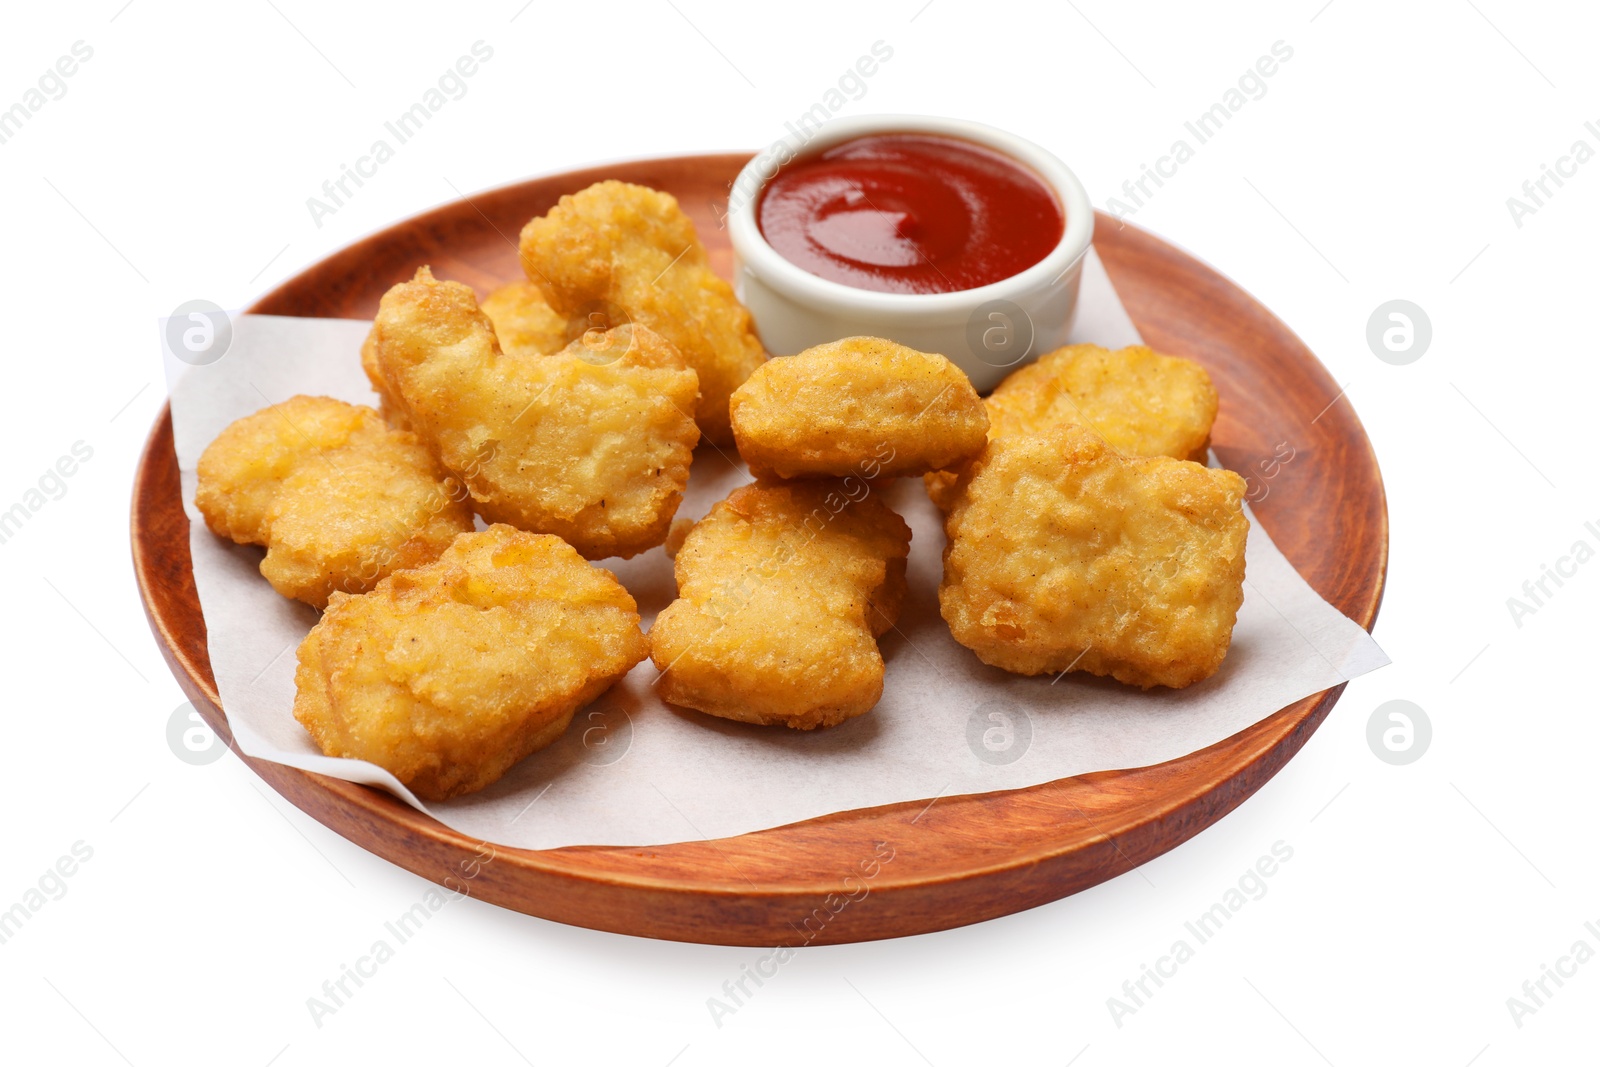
x=1419 y=898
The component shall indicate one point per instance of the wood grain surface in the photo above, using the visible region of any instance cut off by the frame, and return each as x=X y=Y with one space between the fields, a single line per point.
x=958 y=859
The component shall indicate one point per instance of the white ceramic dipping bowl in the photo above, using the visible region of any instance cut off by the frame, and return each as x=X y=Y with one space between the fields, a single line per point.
x=988 y=331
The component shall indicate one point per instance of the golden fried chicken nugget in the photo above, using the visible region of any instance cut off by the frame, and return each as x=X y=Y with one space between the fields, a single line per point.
x=1141 y=402
x=619 y=249
x=524 y=323
x=1063 y=555
x=861 y=406
x=782 y=591
x=447 y=674
x=592 y=443
x=338 y=498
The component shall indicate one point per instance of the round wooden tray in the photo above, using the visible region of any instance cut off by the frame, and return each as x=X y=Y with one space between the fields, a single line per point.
x=964 y=858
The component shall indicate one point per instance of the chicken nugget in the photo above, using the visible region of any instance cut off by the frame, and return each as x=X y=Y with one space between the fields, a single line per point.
x=448 y=674
x=619 y=249
x=783 y=590
x=592 y=443
x=1063 y=555
x=861 y=406
x=1141 y=402
x=524 y=323
x=338 y=498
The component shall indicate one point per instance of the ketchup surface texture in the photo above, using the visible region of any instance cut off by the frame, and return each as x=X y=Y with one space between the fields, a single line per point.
x=910 y=213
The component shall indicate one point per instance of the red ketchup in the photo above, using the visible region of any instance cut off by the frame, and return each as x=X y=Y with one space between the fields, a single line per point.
x=910 y=213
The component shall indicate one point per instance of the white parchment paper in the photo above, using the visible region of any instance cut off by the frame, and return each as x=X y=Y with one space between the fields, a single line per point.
x=635 y=771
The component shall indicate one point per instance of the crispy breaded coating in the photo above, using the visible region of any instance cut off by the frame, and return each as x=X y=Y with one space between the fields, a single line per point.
x=592 y=443
x=1063 y=555
x=619 y=248
x=861 y=406
x=448 y=674
x=389 y=405
x=1141 y=402
x=524 y=323
x=782 y=591
x=338 y=498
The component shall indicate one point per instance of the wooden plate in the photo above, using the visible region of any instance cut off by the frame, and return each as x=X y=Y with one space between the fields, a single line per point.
x=962 y=859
